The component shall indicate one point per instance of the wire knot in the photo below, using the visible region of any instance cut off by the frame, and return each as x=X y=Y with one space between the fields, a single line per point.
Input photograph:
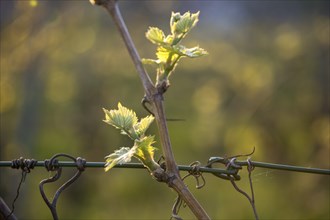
x=51 y=165
x=250 y=167
x=25 y=164
x=80 y=162
x=195 y=168
x=230 y=166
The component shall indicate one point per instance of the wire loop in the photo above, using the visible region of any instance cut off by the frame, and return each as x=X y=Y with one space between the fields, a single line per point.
x=229 y=164
x=52 y=165
x=196 y=173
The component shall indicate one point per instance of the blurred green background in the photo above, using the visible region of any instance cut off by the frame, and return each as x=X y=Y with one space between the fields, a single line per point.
x=265 y=83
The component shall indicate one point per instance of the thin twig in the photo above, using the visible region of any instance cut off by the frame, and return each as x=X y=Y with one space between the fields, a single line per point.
x=247 y=196
x=250 y=168
x=17 y=194
x=113 y=9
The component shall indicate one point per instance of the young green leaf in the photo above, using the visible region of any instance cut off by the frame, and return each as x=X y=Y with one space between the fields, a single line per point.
x=123 y=155
x=182 y=24
x=169 y=51
x=190 y=52
x=169 y=39
x=185 y=23
x=141 y=127
x=150 y=61
x=122 y=118
x=144 y=149
x=163 y=54
x=126 y=120
x=175 y=17
x=155 y=35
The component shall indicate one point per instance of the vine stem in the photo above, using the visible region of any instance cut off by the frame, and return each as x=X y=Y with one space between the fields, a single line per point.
x=172 y=177
x=113 y=9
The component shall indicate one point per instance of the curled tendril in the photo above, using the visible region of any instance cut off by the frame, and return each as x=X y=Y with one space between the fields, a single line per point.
x=197 y=174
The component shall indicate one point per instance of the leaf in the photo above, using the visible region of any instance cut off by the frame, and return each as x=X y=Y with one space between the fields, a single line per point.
x=166 y=54
x=155 y=35
x=123 y=119
x=169 y=51
x=162 y=54
x=182 y=24
x=190 y=52
x=150 y=61
x=144 y=149
x=123 y=155
x=141 y=127
x=175 y=17
x=169 y=39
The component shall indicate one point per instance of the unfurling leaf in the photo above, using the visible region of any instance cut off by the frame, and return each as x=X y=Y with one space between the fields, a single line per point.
x=182 y=24
x=122 y=118
x=150 y=61
x=190 y=52
x=175 y=17
x=155 y=35
x=126 y=120
x=145 y=152
x=169 y=51
x=142 y=126
x=144 y=149
x=163 y=54
x=123 y=155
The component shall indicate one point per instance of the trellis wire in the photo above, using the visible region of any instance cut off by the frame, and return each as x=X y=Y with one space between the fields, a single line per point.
x=189 y=168
x=195 y=169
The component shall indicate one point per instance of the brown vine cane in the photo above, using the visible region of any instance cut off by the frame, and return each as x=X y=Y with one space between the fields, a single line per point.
x=196 y=173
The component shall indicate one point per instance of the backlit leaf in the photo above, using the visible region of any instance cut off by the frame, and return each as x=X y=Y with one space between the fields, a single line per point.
x=123 y=155
x=141 y=127
x=121 y=118
x=190 y=52
x=162 y=54
x=150 y=61
x=182 y=24
x=145 y=150
x=155 y=35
